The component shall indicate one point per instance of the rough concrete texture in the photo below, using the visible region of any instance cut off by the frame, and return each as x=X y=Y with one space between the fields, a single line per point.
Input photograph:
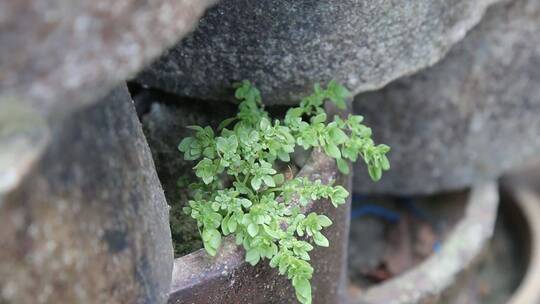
x=285 y=47
x=56 y=55
x=227 y=278
x=89 y=222
x=472 y=116
x=54 y=50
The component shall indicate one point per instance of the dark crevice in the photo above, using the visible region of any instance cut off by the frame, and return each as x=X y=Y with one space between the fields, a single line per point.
x=164 y=117
x=140 y=98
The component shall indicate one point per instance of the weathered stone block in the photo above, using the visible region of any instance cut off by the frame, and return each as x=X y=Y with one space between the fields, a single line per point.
x=285 y=47
x=88 y=223
x=58 y=55
x=473 y=116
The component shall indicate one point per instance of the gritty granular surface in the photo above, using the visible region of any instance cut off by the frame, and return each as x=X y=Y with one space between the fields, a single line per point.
x=287 y=46
x=472 y=116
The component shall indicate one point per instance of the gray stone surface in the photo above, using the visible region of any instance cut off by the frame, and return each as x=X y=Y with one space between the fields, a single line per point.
x=89 y=222
x=470 y=117
x=57 y=55
x=287 y=46
x=54 y=50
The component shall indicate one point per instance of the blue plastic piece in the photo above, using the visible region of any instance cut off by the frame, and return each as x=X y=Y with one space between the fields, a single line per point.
x=389 y=215
x=357 y=197
x=437 y=247
x=370 y=209
x=411 y=205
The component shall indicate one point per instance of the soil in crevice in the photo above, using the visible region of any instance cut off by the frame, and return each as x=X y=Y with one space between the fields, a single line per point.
x=164 y=118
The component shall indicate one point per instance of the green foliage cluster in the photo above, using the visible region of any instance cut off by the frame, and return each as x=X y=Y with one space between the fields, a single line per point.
x=241 y=193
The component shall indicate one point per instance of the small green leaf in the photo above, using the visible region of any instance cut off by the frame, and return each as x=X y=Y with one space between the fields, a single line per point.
x=338 y=136
x=216 y=239
x=284 y=156
x=226 y=122
x=303 y=290
x=256 y=183
x=337 y=93
x=264 y=124
x=253 y=256
x=319 y=118
x=385 y=164
x=212 y=240
x=221 y=144
x=320 y=239
x=295 y=112
x=225 y=226
x=245 y=202
x=375 y=172
x=206 y=170
x=253 y=229
x=239 y=238
x=269 y=181
x=332 y=150
x=231 y=225
x=324 y=220
x=279 y=178
x=185 y=143
x=195 y=128
x=338 y=195
x=342 y=165
x=271 y=232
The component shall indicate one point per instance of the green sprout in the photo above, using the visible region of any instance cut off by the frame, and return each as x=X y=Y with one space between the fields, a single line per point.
x=241 y=193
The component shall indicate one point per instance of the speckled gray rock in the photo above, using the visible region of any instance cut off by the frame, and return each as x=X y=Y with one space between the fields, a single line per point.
x=89 y=222
x=287 y=46
x=54 y=50
x=470 y=117
x=57 y=55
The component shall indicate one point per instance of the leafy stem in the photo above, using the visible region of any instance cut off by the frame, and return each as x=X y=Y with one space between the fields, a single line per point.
x=257 y=207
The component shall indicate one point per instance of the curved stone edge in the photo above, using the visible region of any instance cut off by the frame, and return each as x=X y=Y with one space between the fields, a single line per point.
x=289 y=93
x=23 y=135
x=527 y=201
x=461 y=120
x=455 y=35
x=87 y=48
x=439 y=272
x=89 y=223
